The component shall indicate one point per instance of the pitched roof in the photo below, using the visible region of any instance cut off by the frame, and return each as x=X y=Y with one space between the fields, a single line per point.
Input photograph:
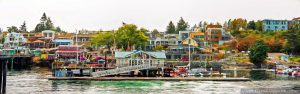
x=298 y=18
x=160 y=55
x=38 y=41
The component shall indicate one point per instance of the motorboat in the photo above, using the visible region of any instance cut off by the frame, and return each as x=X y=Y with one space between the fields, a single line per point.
x=296 y=71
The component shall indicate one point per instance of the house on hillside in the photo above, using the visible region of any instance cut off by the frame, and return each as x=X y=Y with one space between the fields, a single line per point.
x=83 y=39
x=275 y=25
x=13 y=40
x=214 y=35
x=48 y=34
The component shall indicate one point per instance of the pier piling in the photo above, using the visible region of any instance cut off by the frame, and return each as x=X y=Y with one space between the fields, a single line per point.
x=3 y=68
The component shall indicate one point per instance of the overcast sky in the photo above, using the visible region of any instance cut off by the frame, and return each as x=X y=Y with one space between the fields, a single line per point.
x=109 y=14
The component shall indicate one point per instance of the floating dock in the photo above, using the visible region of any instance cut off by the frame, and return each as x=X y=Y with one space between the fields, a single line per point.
x=150 y=79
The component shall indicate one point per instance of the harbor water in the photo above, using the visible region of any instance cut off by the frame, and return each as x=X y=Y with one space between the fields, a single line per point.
x=34 y=82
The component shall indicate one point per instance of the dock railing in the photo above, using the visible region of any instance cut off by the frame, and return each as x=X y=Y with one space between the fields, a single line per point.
x=122 y=70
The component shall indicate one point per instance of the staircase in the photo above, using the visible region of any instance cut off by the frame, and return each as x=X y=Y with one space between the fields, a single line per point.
x=122 y=70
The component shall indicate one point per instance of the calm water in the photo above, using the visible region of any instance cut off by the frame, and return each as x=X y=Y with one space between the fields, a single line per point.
x=34 y=82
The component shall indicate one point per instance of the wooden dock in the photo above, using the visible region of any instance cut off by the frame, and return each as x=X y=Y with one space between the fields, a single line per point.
x=150 y=79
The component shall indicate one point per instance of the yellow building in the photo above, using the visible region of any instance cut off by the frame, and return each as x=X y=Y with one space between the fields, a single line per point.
x=198 y=35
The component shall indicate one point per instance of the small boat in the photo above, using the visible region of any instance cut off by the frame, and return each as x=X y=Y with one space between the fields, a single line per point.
x=197 y=72
x=282 y=69
x=296 y=71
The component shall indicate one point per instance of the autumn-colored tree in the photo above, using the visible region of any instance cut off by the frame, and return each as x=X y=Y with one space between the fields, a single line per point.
x=238 y=24
x=159 y=48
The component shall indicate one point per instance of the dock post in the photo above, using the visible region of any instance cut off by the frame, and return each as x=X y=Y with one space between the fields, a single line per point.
x=12 y=64
x=3 y=77
x=81 y=72
x=147 y=73
x=162 y=71
x=235 y=74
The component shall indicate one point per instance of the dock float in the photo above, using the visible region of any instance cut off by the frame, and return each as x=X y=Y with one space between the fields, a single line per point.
x=149 y=79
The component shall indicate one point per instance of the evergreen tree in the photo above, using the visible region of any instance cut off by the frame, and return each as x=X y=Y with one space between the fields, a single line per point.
x=181 y=25
x=39 y=27
x=258 y=25
x=58 y=29
x=12 y=29
x=225 y=25
x=46 y=24
x=258 y=53
x=204 y=26
x=239 y=24
x=44 y=18
x=171 y=28
x=49 y=24
x=200 y=24
x=251 y=25
x=293 y=39
x=229 y=25
x=194 y=28
x=23 y=27
x=155 y=33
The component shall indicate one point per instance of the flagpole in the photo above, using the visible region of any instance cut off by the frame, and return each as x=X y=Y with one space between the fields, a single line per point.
x=189 y=54
x=76 y=48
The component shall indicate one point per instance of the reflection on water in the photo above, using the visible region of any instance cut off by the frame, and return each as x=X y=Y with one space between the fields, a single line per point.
x=260 y=75
x=34 y=82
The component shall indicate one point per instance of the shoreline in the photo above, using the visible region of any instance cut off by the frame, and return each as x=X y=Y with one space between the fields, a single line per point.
x=148 y=79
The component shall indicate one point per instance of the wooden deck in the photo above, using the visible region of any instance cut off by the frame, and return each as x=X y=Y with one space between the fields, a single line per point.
x=150 y=79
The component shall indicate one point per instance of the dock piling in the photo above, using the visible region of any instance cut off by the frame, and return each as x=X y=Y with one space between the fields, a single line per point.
x=3 y=77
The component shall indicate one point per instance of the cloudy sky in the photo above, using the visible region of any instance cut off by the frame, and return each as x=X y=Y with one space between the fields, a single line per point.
x=109 y=14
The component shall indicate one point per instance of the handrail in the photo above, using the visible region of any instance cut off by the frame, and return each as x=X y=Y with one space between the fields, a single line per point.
x=122 y=70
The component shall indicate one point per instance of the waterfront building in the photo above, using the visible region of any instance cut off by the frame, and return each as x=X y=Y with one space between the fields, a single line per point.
x=63 y=39
x=13 y=40
x=124 y=59
x=69 y=53
x=83 y=39
x=275 y=25
x=37 y=40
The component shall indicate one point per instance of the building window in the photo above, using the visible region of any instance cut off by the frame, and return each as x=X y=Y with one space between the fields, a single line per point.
x=269 y=27
x=283 y=27
x=11 y=39
x=199 y=36
x=214 y=37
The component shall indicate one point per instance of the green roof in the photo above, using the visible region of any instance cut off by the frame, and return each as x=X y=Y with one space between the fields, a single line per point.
x=160 y=55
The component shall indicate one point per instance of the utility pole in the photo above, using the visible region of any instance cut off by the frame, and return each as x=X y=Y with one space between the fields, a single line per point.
x=76 y=48
x=189 y=54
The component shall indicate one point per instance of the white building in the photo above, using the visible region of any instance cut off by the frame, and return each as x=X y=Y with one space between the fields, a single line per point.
x=48 y=34
x=124 y=59
x=13 y=40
